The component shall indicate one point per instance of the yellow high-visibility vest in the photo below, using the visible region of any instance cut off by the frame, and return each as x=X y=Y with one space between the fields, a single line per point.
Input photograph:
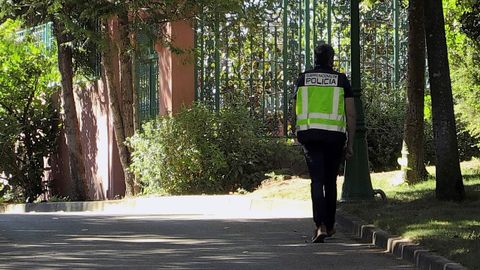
x=320 y=103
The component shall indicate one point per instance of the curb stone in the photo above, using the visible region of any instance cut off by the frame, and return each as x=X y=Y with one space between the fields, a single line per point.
x=421 y=257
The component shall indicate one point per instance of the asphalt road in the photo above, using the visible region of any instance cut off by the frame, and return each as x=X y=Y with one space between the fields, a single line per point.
x=91 y=241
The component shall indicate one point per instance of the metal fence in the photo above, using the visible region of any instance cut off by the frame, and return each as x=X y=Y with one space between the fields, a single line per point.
x=43 y=34
x=146 y=79
x=257 y=62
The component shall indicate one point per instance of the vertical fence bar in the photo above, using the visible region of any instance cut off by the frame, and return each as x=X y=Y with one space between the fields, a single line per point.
x=375 y=54
x=264 y=82
x=329 y=21
x=315 y=30
x=195 y=60
x=217 y=63
x=396 y=43
x=155 y=88
x=250 y=81
x=202 y=58
x=239 y=66
x=307 y=35
x=300 y=35
x=151 y=89
x=227 y=56
x=274 y=77
x=285 y=67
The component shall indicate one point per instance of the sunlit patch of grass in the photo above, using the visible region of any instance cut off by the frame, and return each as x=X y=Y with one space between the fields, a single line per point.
x=278 y=187
x=449 y=228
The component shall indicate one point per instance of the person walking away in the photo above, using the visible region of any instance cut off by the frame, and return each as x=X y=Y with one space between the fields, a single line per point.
x=325 y=125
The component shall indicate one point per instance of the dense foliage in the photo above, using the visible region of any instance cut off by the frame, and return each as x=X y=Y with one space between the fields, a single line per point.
x=199 y=151
x=384 y=106
x=27 y=119
x=470 y=20
x=465 y=73
x=384 y=115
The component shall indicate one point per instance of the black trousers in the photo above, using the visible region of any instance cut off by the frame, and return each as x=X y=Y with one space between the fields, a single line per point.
x=323 y=160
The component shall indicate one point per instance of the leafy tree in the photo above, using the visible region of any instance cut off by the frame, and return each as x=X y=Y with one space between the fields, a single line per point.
x=133 y=17
x=464 y=44
x=448 y=176
x=73 y=22
x=471 y=22
x=28 y=120
x=62 y=14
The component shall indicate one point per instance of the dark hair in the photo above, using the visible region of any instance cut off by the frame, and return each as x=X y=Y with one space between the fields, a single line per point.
x=324 y=54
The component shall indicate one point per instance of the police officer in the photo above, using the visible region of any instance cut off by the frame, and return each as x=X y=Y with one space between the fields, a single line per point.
x=325 y=125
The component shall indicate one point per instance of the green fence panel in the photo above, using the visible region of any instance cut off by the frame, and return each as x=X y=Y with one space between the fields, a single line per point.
x=146 y=79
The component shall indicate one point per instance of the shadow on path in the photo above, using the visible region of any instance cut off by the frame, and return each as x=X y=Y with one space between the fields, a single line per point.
x=177 y=242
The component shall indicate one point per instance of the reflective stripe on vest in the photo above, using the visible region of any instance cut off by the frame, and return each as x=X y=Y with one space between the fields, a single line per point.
x=320 y=107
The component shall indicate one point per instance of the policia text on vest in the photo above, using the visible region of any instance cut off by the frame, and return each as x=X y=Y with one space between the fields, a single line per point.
x=320 y=103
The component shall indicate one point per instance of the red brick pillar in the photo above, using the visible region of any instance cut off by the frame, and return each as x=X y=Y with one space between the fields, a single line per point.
x=176 y=71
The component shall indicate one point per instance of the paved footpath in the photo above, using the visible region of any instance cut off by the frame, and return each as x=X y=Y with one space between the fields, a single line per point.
x=177 y=241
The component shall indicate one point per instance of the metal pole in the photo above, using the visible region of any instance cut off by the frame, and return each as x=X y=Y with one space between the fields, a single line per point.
x=375 y=53
x=307 y=35
x=252 y=110
x=300 y=36
x=315 y=30
x=202 y=58
x=217 y=63
x=329 y=21
x=195 y=60
x=264 y=73
x=357 y=184
x=396 y=45
x=239 y=58
x=275 y=61
x=285 y=67
x=227 y=56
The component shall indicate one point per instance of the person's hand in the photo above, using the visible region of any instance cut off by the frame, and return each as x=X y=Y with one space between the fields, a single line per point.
x=348 y=151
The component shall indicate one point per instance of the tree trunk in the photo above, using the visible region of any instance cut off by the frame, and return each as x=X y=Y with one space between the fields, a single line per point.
x=415 y=171
x=70 y=120
x=108 y=54
x=449 y=183
x=126 y=80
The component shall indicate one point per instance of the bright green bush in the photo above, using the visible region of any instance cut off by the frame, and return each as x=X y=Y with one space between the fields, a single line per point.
x=199 y=151
x=179 y=155
x=29 y=124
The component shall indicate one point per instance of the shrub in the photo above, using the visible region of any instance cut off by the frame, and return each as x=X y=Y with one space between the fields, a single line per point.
x=178 y=154
x=384 y=116
x=28 y=120
x=244 y=148
x=199 y=151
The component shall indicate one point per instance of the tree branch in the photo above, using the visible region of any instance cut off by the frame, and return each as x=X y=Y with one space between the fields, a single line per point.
x=10 y=110
x=29 y=101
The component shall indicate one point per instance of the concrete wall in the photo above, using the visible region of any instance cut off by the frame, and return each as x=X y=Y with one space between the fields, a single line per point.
x=102 y=163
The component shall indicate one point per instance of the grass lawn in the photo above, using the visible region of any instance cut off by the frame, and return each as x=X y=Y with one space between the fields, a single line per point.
x=447 y=228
